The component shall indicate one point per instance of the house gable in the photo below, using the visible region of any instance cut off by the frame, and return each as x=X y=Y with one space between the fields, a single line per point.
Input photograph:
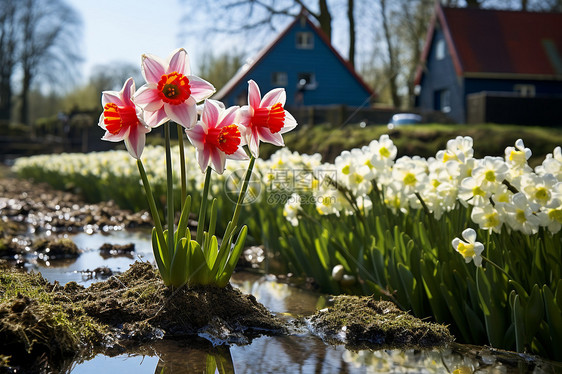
x=302 y=61
x=489 y=50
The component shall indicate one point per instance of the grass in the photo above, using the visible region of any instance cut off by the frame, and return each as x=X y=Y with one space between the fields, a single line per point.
x=422 y=140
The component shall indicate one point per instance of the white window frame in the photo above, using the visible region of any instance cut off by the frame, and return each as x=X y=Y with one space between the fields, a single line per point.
x=440 y=49
x=525 y=90
x=279 y=78
x=304 y=40
x=445 y=100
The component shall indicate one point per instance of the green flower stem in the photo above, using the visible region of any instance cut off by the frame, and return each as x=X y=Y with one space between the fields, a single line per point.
x=151 y=203
x=496 y=266
x=243 y=191
x=182 y=165
x=170 y=193
x=203 y=207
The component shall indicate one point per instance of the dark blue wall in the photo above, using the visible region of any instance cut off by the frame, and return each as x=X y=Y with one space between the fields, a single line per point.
x=335 y=84
x=473 y=85
x=441 y=75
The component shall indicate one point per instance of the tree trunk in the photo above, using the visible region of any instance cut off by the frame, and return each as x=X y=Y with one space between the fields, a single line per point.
x=351 y=20
x=325 y=18
x=473 y=3
x=25 y=86
x=392 y=65
x=524 y=4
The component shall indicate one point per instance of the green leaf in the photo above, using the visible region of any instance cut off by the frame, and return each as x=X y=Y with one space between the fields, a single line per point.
x=225 y=275
x=178 y=269
x=493 y=313
x=196 y=262
x=456 y=311
x=409 y=284
x=159 y=257
x=184 y=220
x=519 y=323
x=534 y=313
x=213 y=217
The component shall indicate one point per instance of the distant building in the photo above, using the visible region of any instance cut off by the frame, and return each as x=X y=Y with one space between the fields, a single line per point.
x=301 y=60
x=482 y=65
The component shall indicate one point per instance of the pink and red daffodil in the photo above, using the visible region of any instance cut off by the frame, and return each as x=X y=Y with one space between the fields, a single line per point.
x=216 y=136
x=123 y=120
x=171 y=92
x=265 y=119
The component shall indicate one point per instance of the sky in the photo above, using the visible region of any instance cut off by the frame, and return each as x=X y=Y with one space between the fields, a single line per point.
x=122 y=30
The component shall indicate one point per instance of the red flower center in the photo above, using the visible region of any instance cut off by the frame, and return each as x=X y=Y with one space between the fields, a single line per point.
x=174 y=88
x=116 y=118
x=226 y=139
x=273 y=118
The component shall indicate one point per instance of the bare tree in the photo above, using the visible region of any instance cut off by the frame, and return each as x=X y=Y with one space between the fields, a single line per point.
x=49 y=31
x=392 y=67
x=8 y=42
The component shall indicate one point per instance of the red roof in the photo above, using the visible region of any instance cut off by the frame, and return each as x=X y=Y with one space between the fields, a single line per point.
x=500 y=42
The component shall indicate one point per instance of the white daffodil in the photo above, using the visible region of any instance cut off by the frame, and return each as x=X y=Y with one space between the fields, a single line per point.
x=487 y=217
x=469 y=248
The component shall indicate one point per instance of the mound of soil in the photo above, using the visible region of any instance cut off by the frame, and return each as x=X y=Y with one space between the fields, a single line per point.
x=365 y=323
x=45 y=323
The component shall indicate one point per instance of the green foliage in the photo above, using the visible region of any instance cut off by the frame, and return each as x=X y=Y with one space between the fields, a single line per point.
x=407 y=258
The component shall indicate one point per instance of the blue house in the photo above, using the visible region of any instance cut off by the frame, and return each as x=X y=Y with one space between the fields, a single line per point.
x=512 y=56
x=301 y=60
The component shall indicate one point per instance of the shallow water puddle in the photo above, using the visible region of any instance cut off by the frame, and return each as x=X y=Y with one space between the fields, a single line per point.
x=297 y=353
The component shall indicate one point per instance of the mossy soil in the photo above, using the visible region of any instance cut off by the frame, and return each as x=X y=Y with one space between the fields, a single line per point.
x=42 y=324
x=366 y=323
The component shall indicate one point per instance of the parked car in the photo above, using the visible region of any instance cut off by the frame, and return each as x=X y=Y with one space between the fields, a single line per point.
x=404 y=119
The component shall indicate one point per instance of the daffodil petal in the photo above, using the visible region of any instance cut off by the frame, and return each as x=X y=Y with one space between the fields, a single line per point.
x=185 y=114
x=254 y=95
x=152 y=68
x=179 y=62
x=196 y=136
x=200 y=89
x=273 y=97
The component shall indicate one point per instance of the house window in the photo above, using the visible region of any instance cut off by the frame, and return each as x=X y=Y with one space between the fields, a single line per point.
x=526 y=90
x=279 y=78
x=445 y=101
x=306 y=81
x=440 y=49
x=305 y=40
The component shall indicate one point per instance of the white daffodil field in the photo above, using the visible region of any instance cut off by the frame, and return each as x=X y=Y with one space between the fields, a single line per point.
x=472 y=243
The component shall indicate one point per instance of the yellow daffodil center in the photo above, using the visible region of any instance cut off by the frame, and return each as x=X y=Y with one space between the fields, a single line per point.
x=272 y=118
x=369 y=164
x=410 y=179
x=466 y=249
x=447 y=156
x=492 y=220
x=541 y=194
x=345 y=169
x=517 y=156
x=477 y=191
x=555 y=215
x=357 y=178
x=174 y=88
x=520 y=216
x=490 y=176
x=384 y=152
x=115 y=118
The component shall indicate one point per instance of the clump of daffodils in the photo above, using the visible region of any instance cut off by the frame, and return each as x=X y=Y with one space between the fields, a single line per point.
x=504 y=192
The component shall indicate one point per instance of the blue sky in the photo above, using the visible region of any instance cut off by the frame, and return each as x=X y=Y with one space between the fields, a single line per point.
x=122 y=30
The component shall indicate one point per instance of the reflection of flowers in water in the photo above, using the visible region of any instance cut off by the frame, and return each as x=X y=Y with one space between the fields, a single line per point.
x=415 y=361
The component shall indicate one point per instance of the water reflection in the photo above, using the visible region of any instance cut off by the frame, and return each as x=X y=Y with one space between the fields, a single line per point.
x=190 y=360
